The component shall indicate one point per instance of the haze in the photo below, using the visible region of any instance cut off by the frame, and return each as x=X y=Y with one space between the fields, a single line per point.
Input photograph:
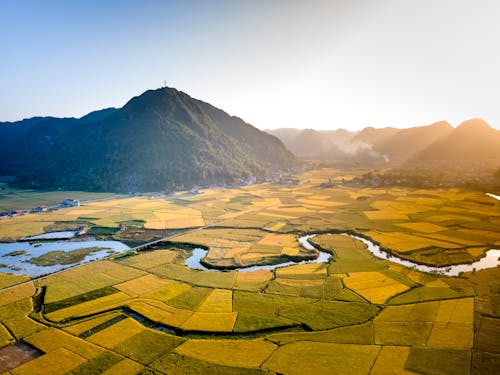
x=305 y=64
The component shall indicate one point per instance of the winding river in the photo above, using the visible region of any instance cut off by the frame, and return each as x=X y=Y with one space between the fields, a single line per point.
x=491 y=259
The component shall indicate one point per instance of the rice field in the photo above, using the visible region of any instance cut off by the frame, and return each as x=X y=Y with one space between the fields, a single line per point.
x=356 y=314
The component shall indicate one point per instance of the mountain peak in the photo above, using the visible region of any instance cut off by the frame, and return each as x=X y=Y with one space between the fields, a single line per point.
x=474 y=124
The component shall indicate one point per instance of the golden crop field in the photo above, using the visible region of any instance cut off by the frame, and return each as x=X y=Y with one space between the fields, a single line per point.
x=149 y=311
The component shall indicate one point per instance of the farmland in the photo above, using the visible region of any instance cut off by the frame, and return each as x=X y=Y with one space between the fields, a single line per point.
x=148 y=312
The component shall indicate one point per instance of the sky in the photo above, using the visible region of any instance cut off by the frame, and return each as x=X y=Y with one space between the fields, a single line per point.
x=275 y=63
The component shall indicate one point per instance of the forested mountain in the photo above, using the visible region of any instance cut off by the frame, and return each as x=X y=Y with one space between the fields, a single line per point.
x=160 y=140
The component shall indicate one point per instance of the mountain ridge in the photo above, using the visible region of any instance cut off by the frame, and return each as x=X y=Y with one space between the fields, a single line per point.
x=160 y=140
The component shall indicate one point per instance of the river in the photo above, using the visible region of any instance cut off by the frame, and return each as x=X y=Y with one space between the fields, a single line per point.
x=492 y=259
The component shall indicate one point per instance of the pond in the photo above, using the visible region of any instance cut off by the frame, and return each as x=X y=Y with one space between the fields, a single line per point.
x=490 y=260
x=16 y=257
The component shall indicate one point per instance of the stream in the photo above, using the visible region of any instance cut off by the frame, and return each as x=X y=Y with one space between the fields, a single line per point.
x=491 y=259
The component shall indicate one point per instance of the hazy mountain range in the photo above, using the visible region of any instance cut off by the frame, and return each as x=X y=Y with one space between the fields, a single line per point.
x=472 y=140
x=164 y=139
x=160 y=140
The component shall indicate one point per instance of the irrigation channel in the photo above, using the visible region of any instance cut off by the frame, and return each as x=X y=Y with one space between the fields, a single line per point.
x=492 y=259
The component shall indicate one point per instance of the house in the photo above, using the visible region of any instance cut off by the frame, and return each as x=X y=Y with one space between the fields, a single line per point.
x=68 y=202
x=40 y=209
x=14 y=213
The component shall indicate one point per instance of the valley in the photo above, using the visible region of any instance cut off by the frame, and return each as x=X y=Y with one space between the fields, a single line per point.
x=147 y=311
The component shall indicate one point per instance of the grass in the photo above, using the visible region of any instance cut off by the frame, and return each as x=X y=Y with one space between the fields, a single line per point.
x=322 y=358
x=237 y=353
x=52 y=258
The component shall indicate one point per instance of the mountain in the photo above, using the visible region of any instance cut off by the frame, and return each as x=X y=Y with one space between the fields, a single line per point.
x=473 y=140
x=23 y=142
x=316 y=144
x=160 y=140
x=405 y=143
x=374 y=136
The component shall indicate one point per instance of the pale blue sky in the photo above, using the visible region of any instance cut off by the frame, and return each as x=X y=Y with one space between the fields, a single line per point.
x=319 y=64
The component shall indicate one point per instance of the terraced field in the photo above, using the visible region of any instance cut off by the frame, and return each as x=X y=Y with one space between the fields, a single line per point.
x=149 y=313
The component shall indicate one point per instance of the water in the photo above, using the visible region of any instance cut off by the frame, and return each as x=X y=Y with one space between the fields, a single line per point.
x=497 y=197
x=492 y=259
x=63 y=235
x=194 y=260
x=19 y=264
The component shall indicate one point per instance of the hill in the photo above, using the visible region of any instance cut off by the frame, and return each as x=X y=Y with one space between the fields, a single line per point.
x=405 y=143
x=316 y=144
x=473 y=140
x=160 y=140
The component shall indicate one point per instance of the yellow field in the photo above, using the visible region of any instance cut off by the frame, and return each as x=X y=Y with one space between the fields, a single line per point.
x=124 y=367
x=90 y=307
x=147 y=260
x=142 y=285
x=422 y=227
x=393 y=359
x=16 y=293
x=51 y=339
x=117 y=333
x=357 y=314
x=160 y=312
x=219 y=301
x=210 y=322
x=79 y=328
x=57 y=362
x=239 y=353
x=374 y=286
x=322 y=358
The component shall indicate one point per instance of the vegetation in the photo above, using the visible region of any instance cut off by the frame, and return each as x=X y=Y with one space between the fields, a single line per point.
x=189 y=142
x=149 y=312
x=52 y=258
